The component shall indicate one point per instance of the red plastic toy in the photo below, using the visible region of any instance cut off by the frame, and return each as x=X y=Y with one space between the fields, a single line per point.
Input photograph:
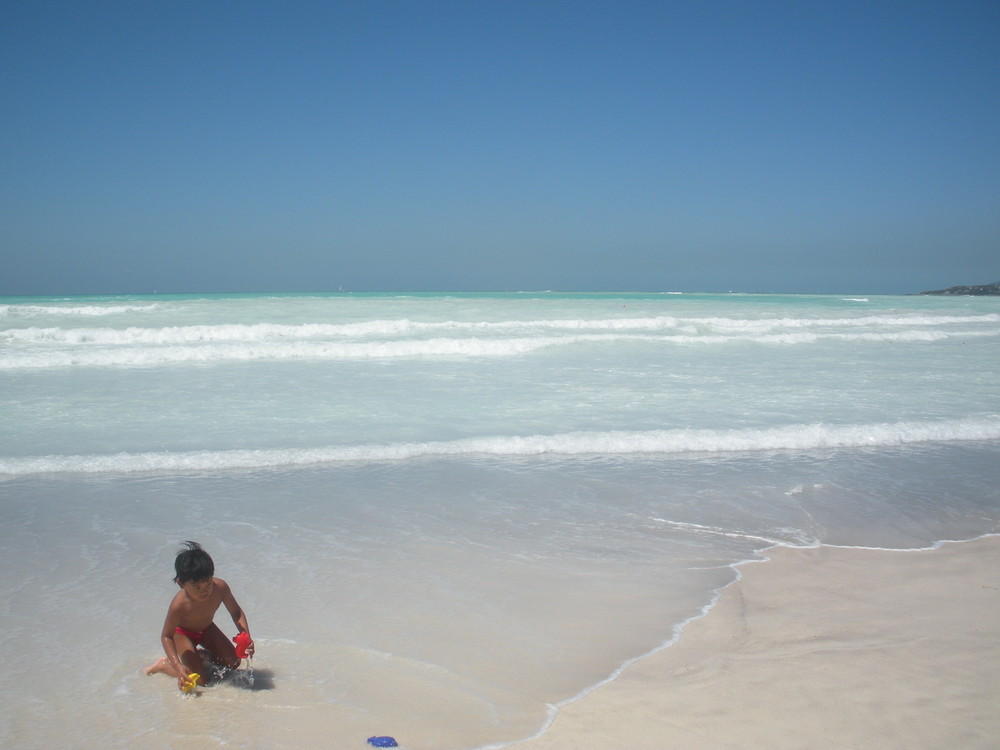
x=242 y=641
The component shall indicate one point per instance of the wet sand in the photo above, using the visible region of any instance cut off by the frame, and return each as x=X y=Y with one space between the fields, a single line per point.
x=814 y=648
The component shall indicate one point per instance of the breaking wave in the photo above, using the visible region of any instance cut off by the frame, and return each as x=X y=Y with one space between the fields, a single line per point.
x=87 y=311
x=677 y=441
x=52 y=347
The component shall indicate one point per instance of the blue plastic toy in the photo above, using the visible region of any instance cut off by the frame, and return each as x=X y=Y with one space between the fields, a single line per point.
x=383 y=741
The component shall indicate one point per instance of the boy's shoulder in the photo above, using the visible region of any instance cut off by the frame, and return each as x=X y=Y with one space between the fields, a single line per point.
x=181 y=598
x=177 y=601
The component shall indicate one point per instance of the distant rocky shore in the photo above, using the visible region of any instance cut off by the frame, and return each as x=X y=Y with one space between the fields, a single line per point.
x=979 y=290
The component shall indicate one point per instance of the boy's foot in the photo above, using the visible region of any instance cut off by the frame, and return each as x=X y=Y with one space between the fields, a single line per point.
x=157 y=667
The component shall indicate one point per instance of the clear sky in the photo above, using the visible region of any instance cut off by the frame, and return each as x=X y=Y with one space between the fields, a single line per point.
x=800 y=146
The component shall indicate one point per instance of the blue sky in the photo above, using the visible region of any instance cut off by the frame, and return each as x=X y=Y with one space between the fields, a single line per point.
x=305 y=146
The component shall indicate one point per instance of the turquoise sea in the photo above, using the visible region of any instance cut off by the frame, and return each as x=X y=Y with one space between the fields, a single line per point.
x=448 y=514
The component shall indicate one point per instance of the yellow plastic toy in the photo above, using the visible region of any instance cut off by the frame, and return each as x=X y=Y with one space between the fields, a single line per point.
x=192 y=682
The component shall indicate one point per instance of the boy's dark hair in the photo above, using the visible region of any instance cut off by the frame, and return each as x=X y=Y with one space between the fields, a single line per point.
x=193 y=564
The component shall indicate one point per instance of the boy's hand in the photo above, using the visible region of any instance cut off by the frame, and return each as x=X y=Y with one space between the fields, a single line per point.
x=244 y=645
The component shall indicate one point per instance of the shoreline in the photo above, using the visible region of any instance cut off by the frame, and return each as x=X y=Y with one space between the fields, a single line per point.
x=873 y=647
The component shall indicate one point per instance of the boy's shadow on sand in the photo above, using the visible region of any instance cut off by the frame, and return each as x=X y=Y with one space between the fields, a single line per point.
x=263 y=679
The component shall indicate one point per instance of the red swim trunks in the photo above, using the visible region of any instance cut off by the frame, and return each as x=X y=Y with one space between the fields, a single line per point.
x=194 y=635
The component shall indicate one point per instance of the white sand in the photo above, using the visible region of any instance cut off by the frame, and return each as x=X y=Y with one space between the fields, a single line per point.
x=818 y=648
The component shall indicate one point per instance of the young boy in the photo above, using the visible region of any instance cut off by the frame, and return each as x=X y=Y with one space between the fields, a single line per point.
x=189 y=625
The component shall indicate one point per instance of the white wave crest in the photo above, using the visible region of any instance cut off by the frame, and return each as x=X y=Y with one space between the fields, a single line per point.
x=832 y=324
x=405 y=327
x=152 y=347
x=791 y=437
x=137 y=356
x=278 y=332
x=86 y=311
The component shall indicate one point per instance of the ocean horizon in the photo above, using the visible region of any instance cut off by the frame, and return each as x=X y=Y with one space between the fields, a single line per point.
x=446 y=514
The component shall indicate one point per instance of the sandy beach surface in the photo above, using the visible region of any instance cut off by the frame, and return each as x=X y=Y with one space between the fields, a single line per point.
x=818 y=648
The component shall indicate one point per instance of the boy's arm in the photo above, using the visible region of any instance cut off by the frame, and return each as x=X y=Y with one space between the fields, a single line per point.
x=237 y=613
